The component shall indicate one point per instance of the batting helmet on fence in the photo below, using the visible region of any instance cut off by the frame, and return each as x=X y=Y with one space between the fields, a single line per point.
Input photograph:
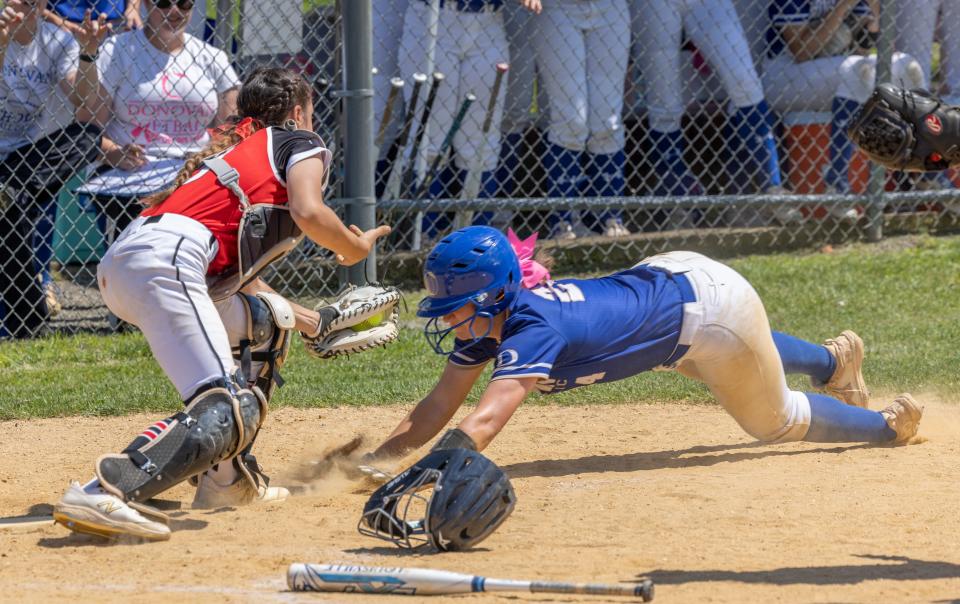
x=470 y=498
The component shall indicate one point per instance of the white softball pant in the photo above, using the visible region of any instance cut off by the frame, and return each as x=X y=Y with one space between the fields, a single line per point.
x=154 y=276
x=812 y=85
x=520 y=26
x=469 y=45
x=715 y=28
x=916 y=25
x=583 y=47
x=732 y=350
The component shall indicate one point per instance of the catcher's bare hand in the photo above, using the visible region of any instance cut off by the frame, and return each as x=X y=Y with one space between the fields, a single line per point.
x=367 y=240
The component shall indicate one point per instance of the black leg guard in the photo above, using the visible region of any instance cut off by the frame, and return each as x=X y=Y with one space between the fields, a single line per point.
x=214 y=426
x=264 y=350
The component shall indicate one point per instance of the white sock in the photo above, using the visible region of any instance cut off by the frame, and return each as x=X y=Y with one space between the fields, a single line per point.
x=93 y=487
x=224 y=473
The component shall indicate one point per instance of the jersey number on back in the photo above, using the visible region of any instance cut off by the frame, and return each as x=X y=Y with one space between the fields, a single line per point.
x=564 y=292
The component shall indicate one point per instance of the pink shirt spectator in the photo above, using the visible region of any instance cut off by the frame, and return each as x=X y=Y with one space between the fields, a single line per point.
x=163 y=102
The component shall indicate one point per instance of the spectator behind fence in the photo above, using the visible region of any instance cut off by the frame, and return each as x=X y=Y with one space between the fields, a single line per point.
x=714 y=27
x=814 y=64
x=160 y=90
x=470 y=41
x=47 y=94
x=121 y=14
x=582 y=54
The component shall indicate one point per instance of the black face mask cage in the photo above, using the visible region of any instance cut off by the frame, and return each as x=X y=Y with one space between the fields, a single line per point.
x=391 y=520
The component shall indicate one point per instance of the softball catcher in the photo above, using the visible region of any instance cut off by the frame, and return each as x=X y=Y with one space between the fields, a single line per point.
x=186 y=273
x=676 y=311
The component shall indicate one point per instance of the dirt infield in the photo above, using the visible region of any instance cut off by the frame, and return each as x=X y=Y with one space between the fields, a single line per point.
x=606 y=493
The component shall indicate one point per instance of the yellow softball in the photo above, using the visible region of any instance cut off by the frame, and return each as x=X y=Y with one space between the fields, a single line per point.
x=369 y=323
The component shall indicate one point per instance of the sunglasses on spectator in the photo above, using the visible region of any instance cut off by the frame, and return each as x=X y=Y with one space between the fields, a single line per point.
x=181 y=4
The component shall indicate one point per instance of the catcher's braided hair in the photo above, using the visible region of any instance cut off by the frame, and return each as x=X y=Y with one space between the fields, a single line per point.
x=267 y=96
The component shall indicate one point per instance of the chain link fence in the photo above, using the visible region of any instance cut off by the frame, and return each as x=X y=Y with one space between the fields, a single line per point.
x=612 y=128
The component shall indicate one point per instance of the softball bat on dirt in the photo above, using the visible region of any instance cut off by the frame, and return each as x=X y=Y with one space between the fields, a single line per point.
x=428 y=582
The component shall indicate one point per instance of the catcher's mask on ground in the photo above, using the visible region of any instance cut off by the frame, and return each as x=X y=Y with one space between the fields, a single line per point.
x=470 y=498
x=474 y=264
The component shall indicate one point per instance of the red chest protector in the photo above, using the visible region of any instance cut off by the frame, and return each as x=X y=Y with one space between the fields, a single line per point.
x=266 y=234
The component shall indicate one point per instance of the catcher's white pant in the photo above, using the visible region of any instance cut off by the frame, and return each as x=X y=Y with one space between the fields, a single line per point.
x=154 y=276
x=732 y=349
x=468 y=47
x=715 y=28
x=583 y=47
x=812 y=85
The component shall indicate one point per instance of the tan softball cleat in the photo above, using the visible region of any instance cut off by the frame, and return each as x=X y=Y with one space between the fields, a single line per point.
x=212 y=495
x=903 y=416
x=106 y=515
x=847 y=382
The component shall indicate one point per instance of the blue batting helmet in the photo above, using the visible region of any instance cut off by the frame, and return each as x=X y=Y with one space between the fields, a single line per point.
x=474 y=264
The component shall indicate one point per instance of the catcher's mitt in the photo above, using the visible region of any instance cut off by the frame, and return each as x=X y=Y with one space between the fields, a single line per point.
x=907 y=130
x=359 y=319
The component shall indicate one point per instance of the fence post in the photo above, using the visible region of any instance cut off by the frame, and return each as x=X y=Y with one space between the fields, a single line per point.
x=878 y=174
x=358 y=159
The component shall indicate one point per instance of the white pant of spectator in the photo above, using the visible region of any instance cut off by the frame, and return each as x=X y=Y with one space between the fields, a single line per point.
x=468 y=47
x=916 y=24
x=812 y=85
x=715 y=29
x=521 y=26
x=583 y=47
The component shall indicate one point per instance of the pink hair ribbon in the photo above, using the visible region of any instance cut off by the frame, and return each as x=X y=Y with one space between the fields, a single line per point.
x=533 y=272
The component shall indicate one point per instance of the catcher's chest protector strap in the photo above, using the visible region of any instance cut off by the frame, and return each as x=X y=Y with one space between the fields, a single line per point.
x=267 y=233
x=214 y=426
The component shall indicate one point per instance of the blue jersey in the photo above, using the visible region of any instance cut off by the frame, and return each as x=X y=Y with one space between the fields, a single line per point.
x=576 y=332
x=73 y=10
x=799 y=12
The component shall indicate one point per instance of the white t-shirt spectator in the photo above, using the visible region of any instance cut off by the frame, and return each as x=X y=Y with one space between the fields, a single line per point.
x=32 y=103
x=163 y=102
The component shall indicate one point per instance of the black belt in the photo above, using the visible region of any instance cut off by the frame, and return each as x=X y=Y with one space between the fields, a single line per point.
x=158 y=217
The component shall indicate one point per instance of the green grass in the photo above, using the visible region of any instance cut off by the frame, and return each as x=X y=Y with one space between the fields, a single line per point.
x=901 y=296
